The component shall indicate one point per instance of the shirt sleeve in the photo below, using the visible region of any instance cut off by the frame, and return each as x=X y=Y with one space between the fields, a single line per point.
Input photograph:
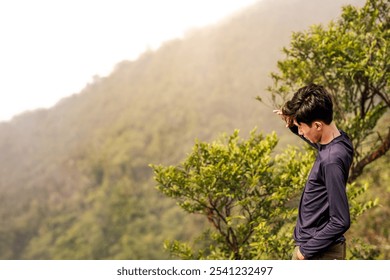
x=294 y=129
x=339 y=217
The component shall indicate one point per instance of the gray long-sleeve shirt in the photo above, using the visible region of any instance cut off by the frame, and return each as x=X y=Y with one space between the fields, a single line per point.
x=323 y=210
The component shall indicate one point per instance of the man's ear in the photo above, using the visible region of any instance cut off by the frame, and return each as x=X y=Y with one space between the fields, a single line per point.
x=318 y=125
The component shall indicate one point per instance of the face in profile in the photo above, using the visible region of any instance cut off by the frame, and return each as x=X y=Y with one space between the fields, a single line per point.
x=310 y=132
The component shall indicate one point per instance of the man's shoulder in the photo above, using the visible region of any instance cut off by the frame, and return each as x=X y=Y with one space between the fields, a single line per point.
x=338 y=152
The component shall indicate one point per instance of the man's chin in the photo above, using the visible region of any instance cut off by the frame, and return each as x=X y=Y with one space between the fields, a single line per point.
x=311 y=141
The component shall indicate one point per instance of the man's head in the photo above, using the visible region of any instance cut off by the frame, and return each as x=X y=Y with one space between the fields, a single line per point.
x=310 y=109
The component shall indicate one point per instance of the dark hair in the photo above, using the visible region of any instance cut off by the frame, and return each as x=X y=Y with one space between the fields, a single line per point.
x=310 y=103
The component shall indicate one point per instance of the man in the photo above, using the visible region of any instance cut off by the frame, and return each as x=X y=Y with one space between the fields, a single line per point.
x=323 y=209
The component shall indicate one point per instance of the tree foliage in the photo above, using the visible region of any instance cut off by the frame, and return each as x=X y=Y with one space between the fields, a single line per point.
x=350 y=57
x=237 y=185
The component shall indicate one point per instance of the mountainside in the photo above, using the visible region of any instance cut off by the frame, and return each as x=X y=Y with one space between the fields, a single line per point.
x=75 y=181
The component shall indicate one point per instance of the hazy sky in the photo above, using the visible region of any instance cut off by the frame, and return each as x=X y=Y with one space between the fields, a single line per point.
x=52 y=48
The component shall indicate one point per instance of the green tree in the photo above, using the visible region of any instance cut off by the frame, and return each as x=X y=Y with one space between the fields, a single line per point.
x=350 y=57
x=237 y=185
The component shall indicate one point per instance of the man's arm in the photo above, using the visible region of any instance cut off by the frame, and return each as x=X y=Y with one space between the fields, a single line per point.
x=339 y=217
x=294 y=129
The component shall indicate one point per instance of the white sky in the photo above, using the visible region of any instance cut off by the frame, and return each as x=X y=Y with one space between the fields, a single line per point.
x=50 y=49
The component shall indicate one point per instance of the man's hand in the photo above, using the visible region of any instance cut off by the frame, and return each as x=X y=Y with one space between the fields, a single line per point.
x=287 y=119
x=299 y=255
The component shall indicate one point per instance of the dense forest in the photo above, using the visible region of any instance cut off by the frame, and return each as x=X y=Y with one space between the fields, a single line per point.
x=75 y=180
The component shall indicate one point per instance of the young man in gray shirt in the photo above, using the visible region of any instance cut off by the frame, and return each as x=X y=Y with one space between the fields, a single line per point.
x=323 y=209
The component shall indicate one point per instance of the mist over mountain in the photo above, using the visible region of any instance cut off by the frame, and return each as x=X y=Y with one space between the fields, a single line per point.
x=74 y=179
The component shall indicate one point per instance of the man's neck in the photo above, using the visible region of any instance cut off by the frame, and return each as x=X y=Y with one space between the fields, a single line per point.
x=329 y=133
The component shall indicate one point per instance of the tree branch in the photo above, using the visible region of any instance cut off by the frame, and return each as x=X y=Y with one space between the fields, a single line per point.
x=357 y=169
x=382 y=96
